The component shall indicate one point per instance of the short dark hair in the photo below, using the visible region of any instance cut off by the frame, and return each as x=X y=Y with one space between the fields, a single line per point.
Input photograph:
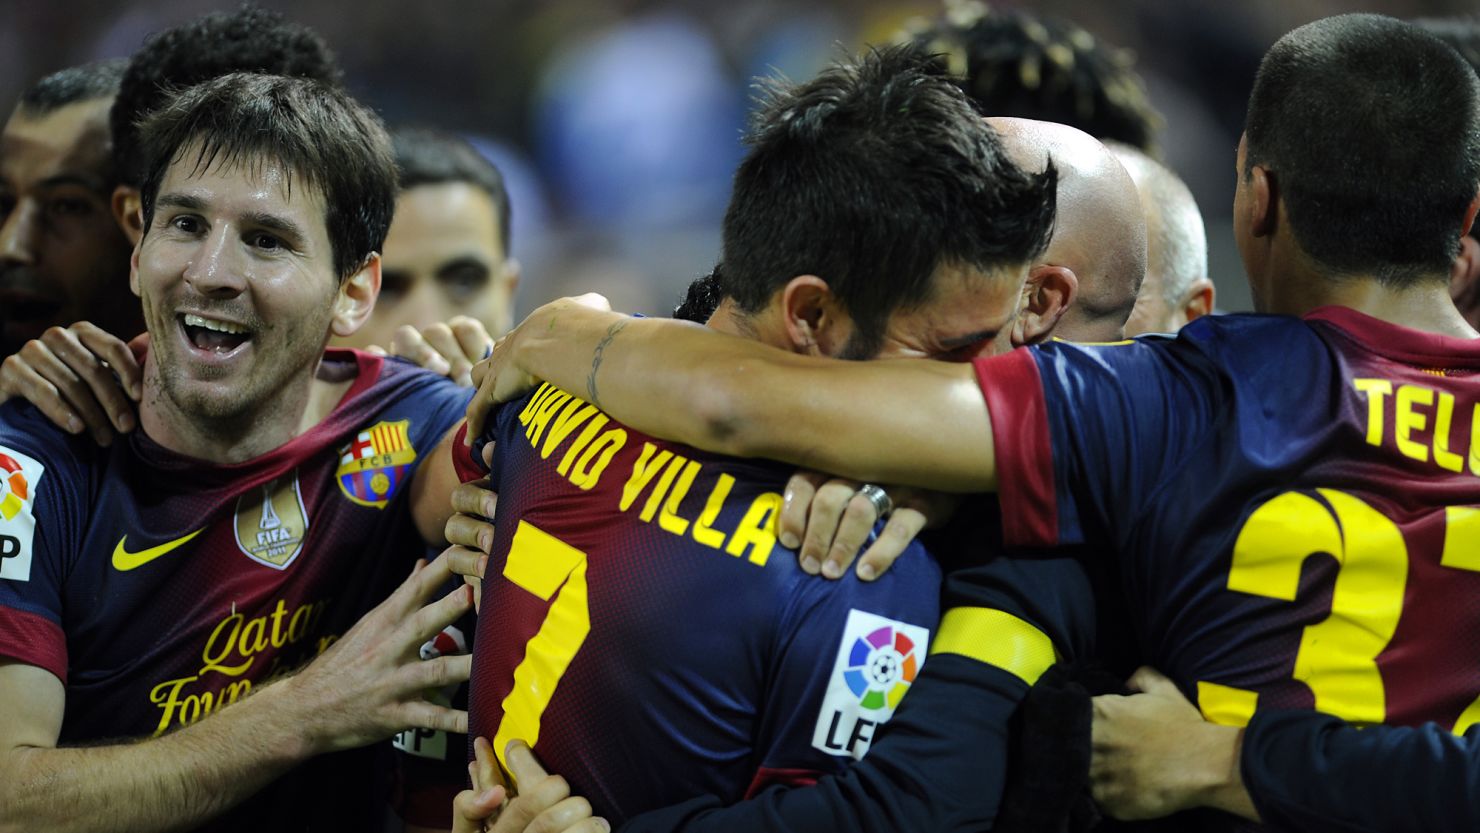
x=250 y=39
x=1463 y=36
x=425 y=156
x=871 y=176
x=324 y=139
x=1013 y=63
x=88 y=82
x=1371 y=128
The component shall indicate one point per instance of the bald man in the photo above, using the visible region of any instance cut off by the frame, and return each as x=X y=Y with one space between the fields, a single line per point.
x=1177 y=289
x=1098 y=250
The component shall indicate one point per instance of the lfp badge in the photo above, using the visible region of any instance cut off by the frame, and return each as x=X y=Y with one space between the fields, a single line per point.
x=877 y=661
x=372 y=467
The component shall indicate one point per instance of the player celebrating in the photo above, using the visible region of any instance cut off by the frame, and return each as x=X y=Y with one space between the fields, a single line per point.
x=644 y=605
x=275 y=495
x=1219 y=467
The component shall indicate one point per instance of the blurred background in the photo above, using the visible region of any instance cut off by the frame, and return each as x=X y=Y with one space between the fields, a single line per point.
x=617 y=122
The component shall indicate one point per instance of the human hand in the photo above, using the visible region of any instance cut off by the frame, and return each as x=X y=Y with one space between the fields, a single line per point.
x=80 y=377
x=544 y=803
x=370 y=684
x=471 y=534
x=830 y=518
x=500 y=377
x=1152 y=754
x=473 y=808
x=449 y=349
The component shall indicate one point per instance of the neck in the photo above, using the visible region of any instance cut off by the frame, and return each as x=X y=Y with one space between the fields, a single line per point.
x=296 y=408
x=730 y=319
x=1423 y=305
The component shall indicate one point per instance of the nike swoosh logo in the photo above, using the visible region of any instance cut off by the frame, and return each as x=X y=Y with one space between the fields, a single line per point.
x=123 y=560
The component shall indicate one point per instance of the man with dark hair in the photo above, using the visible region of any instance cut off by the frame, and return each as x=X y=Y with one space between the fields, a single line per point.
x=61 y=257
x=1177 y=289
x=250 y=39
x=447 y=252
x=275 y=494
x=604 y=539
x=1216 y=465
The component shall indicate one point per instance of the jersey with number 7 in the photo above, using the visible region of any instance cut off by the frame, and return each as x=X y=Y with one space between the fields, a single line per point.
x=1295 y=505
x=642 y=628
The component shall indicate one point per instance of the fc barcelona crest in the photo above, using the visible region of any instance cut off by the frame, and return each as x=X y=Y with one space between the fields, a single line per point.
x=271 y=522
x=372 y=467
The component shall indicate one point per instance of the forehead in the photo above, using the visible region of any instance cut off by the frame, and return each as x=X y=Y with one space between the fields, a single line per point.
x=70 y=140
x=963 y=301
x=256 y=183
x=446 y=219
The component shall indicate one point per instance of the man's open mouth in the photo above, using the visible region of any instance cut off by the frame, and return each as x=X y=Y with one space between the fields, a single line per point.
x=213 y=335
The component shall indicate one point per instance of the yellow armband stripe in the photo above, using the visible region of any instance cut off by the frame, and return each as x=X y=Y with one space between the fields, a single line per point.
x=996 y=638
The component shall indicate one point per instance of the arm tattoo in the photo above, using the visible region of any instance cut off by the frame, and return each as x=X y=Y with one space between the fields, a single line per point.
x=611 y=333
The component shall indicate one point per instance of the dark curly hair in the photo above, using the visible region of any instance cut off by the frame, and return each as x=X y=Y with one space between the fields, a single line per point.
x=249 y=39
x=1013 y=63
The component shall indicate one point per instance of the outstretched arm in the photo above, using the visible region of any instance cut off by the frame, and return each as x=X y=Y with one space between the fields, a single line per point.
x=917 y=423
x=365 y=688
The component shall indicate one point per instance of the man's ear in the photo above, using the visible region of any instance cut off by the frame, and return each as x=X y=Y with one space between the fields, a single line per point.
x=133 y=268
x=1198 y=300
x=1047 y=295
x=1464 y=280
x=356 y=298
x=812 y=320
x=128 y=212
x=1264 y=193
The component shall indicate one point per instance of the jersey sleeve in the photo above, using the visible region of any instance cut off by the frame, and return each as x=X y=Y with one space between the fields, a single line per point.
x=843 y=655
x=1310 y=771
x=940 y=763
x=931 y=767
x=1085 y=434
x=42 y=494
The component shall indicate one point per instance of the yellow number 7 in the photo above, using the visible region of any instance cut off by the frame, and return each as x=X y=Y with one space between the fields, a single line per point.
x=543 y=565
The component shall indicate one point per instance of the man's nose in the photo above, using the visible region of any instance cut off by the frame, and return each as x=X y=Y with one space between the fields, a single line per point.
x=217 y=268
x=20 y=232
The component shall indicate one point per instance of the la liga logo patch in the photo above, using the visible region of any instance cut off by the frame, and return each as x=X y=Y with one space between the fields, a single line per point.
x=19 y=477
x=878 y=658
x=373 y=466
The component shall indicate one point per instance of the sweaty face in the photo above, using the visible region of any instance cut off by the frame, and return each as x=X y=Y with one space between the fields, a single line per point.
x=443 y=258
x=62 y=258
x=236 y=276
x=969 y=314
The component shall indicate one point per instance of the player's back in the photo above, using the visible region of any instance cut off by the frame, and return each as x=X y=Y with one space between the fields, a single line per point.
x=1295 y=504
x=644 y=629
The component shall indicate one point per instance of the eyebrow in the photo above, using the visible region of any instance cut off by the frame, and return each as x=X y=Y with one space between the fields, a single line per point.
x=273 y=222
x=91 y=183
x=463 y=262
x=970 y=338
x=184 y=201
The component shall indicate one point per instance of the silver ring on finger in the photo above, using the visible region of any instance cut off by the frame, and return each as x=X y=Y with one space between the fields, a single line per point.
x=883 y=504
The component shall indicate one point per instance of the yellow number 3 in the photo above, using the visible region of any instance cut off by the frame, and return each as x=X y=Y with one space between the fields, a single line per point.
x=543 y=564
x=1337 y=657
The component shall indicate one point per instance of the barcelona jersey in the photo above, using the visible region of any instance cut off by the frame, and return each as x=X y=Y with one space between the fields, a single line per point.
x=1294 y=505
x=160 y=588
x=644 y=630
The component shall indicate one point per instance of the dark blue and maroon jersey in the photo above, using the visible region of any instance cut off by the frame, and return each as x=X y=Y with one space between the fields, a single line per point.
x=160 y=588
x=642 y=627
x=1294 y=505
